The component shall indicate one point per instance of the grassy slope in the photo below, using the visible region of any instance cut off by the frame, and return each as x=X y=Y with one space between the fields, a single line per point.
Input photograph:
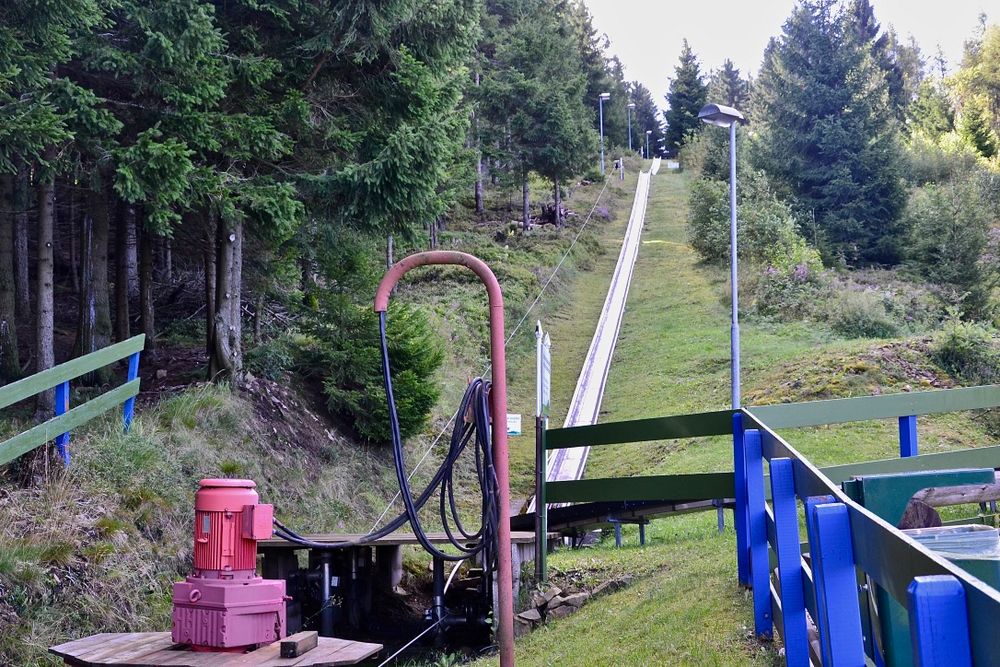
x=673 y=358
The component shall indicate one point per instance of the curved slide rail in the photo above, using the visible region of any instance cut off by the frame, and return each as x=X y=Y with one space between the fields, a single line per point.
x=569 y=464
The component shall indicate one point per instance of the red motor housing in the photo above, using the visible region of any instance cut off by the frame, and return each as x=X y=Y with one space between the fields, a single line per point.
x=223 y=605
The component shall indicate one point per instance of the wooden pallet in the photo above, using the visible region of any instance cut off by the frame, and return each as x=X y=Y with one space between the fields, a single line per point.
x=147 y=649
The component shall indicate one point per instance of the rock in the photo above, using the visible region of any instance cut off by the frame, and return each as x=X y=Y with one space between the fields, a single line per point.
x=538 y=600
x=560 y=612
x=530 y=616
x=575 y=600
x=551 y=593
x=161 y=374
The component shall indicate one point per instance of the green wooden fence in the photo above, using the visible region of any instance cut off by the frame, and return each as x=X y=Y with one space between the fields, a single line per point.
x=66 y=419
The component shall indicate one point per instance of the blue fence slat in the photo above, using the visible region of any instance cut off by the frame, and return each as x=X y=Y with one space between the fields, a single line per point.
x=908 y=436
x=740 y=510
x=939 y=623
x=786 y=528
x=757 y=522
x=61 y=407
x=836 y=585
x=128 y=409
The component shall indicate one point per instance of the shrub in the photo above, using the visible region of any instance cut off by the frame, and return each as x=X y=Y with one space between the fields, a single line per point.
x=968 y=350
x=937 y=161
x=271 y=359
x=861 y=315
x=786 y=295
x=347 y=352
x=708 y=219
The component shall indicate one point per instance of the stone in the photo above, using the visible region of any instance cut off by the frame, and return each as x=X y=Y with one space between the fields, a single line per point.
x=551 y=593
x=161 y=374
x=575 y=600
x=538 y=600
x=530 y=616
x=560 y=612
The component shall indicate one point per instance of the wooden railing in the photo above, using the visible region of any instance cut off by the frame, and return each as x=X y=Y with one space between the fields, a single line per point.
x=66 y=418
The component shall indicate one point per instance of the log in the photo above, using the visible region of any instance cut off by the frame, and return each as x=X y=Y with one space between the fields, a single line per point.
x=299 y=643
x=942 y=496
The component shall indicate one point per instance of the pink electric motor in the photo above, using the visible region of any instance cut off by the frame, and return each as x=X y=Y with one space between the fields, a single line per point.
x=223 y=605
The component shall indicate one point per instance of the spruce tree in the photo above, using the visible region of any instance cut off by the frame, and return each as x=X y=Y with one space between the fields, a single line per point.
x=727 y=87
x=645 y=117
x=826 y=131
x=688 y=94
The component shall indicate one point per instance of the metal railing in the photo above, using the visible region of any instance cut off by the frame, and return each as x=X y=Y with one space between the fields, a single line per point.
x=57 y=428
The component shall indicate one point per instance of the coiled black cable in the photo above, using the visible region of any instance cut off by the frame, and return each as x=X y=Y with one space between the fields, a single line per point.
x=477 y=429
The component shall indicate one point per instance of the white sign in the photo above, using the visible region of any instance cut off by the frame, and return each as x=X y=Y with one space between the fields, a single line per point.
x=513 y=424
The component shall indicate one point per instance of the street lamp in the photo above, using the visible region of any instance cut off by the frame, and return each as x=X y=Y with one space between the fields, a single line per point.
x=600 y=104
x=648 y=132
x=631 y=106
x=722 y=116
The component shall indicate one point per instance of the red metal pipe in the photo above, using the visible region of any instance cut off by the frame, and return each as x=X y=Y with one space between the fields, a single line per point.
x=498 y=404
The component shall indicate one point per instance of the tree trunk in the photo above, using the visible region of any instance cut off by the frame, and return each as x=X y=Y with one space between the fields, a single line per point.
x=225 y=354
x=94 y=326
x=557 y=197
x=236 y=302
x=480 y=208
x=147 y=313
x=208 y=257
x=68 y=195
x=125 y=221
x=44 y=323
x=525 y=201
x=258 y=310
x=389 y=260
x=433 y=234
x=132 y=257
x=22 y=194
x=10 y=363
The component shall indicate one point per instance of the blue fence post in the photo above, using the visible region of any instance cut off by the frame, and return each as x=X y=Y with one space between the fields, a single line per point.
x=786 y=529
x=835 y=579
x=939 y=622
x=740 y=510
x=908 y=436
x=128 y=408
x=757 y=521
x=61 y=407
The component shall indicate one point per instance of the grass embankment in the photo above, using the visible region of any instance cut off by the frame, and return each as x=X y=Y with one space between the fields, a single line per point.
x=97 y=547
x=672 y=358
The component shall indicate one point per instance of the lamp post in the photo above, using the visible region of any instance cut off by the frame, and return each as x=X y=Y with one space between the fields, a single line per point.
x=631 y=106
x=648 y=132
x=600 y=105
x=722 y=116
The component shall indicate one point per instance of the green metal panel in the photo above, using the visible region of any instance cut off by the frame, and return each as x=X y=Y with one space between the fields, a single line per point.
x=668 y=488
x=81 y=414
x=887 y=495
x=841 y=410
x=47 y=379
x=641 y=430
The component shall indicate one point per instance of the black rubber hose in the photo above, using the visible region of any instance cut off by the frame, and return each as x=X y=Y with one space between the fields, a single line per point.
x=475 y=401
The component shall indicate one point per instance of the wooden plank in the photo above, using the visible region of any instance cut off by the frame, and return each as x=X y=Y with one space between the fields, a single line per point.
x=689 y=487
x=97 y=655
x=942 y=496
x=81 y=414
x=640 y=430
x=49 y=378
x=886 y=406
x=299 y=643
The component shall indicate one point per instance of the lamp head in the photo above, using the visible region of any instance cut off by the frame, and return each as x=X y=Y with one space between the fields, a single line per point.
x=722 y=116
x=631 y=105
x=604 y=96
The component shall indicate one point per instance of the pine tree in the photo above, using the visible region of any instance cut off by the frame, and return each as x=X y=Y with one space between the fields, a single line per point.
x=931 y=112
x=645 y=117
x=688 y=94
x=974 y=127
x=727 y=87
x=826 y=131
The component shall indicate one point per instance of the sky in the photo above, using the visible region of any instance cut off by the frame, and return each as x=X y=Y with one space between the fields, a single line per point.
x=646 y=34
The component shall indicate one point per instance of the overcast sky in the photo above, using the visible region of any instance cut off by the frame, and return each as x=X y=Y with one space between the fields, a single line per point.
x=646 y=34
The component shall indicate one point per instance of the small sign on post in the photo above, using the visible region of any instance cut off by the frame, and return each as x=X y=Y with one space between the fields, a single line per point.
x=513 y=424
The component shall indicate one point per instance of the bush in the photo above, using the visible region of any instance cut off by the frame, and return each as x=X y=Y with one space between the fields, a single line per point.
x=347 y=351
x=786 y=295
x=968 y=350
x=938 y=161
x=861 y=315
x=271 y=359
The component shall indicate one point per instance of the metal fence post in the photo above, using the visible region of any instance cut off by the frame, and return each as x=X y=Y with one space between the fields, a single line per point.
x=759 y=566
x=128 y=409
x=61 y=408
x=740 y=509
x=939 y=622
x=908 y=436
x=834 y=577
x=786 y=529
